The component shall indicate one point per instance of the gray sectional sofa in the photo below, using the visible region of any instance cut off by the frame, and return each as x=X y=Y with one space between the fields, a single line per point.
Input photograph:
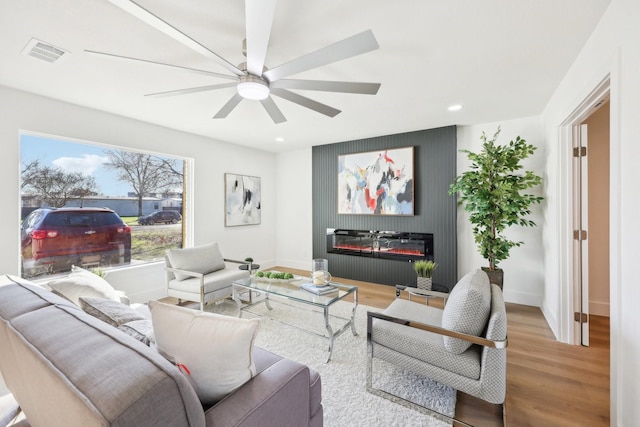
x=67 y=368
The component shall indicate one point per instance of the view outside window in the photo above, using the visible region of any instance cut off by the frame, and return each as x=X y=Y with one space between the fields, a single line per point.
x=94 y=206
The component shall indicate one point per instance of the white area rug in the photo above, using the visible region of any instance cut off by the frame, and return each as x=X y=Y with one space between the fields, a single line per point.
x=344 y=397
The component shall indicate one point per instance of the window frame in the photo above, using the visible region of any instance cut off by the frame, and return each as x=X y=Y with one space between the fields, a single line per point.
x=187 y=228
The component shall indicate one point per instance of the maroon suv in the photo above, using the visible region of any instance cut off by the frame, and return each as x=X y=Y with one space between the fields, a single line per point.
x=55 y=239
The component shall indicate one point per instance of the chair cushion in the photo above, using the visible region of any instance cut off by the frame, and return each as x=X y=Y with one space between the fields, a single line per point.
x=200 y=259
x=422 y=345
x=83 y=283
x=217 y=350
x=212 y=282
x=467 y=309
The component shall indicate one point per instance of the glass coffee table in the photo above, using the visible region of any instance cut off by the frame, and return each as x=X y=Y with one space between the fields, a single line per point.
x=291 y=290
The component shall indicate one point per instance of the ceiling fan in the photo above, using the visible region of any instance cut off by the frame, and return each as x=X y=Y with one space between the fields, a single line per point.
x=252 y=79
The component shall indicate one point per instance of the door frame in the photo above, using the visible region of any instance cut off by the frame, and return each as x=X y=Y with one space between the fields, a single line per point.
x=570 y=290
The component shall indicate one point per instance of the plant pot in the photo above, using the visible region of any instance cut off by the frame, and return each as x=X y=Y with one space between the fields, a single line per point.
x=424 y=283
x=495 y=276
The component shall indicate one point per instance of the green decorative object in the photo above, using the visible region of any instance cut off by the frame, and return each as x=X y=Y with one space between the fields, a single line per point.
x=424 y=268
x=493 y=192
x=99 y=272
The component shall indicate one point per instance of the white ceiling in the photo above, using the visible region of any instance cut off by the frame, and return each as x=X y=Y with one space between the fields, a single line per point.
x=500 y=59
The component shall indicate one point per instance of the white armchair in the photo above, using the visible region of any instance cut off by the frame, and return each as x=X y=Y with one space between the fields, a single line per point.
x=201 y=274
x=463 y=345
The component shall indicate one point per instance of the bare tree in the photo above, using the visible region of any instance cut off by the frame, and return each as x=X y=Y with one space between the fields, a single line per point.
x=28 y=173
x=145 y=173
x=56 y=186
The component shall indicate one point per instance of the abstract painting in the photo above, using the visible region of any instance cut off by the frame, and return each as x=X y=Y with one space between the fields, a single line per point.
x=242 y=200
x=376 y=182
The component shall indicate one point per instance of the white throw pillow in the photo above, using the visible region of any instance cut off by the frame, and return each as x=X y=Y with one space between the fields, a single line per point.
x=199 y=259
x=83 y=283
x=217 y=350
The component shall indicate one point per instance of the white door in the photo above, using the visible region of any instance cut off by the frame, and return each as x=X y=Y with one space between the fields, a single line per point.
x=580 y=241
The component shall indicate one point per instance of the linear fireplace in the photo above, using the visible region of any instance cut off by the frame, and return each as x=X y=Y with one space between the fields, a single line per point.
x=398 y=245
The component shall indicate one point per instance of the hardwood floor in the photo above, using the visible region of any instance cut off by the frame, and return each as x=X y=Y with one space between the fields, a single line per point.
x=548 y=383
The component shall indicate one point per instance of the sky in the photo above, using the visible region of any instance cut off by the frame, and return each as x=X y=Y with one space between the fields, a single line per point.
x=73 y=157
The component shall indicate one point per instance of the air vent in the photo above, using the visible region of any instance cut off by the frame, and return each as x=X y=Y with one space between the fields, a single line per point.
x=45 y=51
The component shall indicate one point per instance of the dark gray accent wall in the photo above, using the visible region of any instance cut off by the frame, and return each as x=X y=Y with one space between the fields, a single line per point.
x=434 y=209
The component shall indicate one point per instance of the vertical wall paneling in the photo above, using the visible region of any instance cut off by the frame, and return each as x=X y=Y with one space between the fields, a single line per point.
x=434 y=209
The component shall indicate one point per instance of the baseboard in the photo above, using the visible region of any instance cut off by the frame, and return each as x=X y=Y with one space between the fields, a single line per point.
x=523 y=298
x=599 y=308
x=296 y=264
x=552 y=321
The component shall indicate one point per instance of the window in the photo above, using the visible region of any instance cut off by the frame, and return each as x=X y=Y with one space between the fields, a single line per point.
x=96 y=206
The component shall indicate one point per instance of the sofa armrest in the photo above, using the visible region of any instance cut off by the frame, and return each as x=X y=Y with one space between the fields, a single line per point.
x=431 y=328
x=279 y=396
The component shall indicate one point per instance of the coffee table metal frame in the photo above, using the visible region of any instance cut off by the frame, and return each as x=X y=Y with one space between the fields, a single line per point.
x=292 y=291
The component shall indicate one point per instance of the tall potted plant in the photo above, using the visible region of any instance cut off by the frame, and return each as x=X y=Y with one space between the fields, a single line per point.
x=493 y=192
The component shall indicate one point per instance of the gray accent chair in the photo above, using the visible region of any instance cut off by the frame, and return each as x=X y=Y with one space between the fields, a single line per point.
x=462 y=345
x=201 y=274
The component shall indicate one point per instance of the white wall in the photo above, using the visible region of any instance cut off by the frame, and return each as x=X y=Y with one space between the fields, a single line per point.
x=523 y=271
x=294 y=242
x=23 y=111
x=613 y=49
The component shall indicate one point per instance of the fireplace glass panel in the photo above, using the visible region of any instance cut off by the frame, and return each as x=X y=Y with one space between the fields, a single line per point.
x=405 y=246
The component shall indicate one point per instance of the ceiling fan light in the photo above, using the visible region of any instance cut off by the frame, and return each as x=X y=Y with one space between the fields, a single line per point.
x=253 y=88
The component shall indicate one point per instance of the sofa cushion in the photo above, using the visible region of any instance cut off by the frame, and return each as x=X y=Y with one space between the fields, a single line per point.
x=67 y=368
x=467 y=309
x=216 y=349
x=83 y=283
x=112 y=312
x=200 y=259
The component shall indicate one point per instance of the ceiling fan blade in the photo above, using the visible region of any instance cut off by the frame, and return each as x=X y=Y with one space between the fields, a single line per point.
x=327 y=86
x=190 y=90
x=273 y=110
x=228 y=107
x=352 y=46
x=259 y=17
x=159 y=24
x=306 y=102
x=146 y=61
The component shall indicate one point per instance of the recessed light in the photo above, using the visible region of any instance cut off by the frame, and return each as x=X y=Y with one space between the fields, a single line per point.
x=455 y=107
x=279 y=139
